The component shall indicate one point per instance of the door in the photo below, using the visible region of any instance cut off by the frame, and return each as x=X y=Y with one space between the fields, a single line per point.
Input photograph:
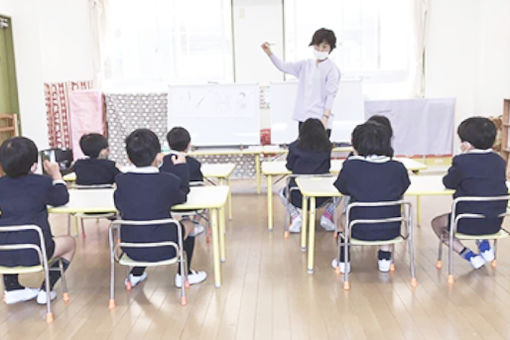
x=8 y=84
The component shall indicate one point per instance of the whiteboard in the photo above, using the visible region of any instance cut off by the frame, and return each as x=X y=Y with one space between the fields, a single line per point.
x=216 y=114
x=348 y=111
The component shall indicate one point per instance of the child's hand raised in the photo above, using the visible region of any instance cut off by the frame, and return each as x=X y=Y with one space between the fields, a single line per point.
x=52 y=169
x=179 y=158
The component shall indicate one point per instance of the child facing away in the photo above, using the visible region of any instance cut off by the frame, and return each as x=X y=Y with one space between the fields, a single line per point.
x=96 y=169
x=309 y=154
x=23 y=200
x=145 y=193
x=372 y=176
x=477 y=171
x=179 y=141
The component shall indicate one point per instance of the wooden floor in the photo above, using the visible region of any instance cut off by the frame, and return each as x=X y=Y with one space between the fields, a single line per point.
x=267 y=293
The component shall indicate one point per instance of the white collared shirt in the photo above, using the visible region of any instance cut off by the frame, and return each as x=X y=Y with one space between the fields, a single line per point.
x=144 y=170
x=372 y=158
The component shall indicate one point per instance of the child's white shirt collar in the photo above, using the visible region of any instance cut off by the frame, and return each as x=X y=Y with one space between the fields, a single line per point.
x=144 y=170
x=480 y=150
x=372 y=158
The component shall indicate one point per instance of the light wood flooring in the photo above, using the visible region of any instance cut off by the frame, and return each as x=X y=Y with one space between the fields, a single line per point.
x=267 y=293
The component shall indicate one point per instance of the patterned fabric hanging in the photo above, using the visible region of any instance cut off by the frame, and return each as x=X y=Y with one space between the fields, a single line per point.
x=127 y=112
x=57 y=110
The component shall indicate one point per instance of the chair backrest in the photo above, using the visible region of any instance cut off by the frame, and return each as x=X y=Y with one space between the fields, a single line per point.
x=118 y=224
x=405 y=217
x=455 y=218
x=39 y=249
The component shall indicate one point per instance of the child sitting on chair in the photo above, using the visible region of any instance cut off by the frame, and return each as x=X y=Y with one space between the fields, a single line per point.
x=310 y=154
x=23 y=200
x=179 y=141
x=370 y=175
x=96 y=169
x=477 y=171
x=145 y=193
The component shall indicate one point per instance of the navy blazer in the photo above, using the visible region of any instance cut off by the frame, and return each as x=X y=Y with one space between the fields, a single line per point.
x=194 y=166
x=373 y=180
x=302 y=162
x=95 y=171
x=478 y=173
x=23 y=200
x=150 y=196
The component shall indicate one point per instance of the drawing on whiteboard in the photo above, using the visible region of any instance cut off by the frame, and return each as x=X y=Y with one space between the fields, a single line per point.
x=226 y=114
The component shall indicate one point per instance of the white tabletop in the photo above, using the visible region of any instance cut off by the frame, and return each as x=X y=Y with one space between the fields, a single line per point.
x=278 y=167
x=420 y=185
x=214 y=170
x=101 y=200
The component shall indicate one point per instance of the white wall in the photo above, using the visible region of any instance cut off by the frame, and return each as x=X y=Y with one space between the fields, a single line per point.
x=51 y=43
x=257 y=21
x=468 y=53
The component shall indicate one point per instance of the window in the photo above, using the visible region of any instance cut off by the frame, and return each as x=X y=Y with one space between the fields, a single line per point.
x=168 y=41
x=376 y=40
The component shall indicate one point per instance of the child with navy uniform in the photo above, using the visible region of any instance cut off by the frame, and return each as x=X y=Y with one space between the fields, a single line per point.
x=309 y=154
x=145 y=193
x=96 y=169
x=370 y=175
x=477 y=171
x=179 y=140
x=23 y=200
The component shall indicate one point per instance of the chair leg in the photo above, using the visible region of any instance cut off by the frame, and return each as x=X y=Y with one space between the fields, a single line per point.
x=414 y=282
x=439 y=262
x=339 y=245
x=49 y=314
x=69 y=224
x=184 y=277
x=111 y=302
x=347 y=284
x=65 y=292
x=392 y=265
x=451 y=279
x=82 y=224
x=494 y=262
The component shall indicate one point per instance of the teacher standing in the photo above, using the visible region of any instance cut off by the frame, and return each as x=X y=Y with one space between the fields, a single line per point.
x=318 y=79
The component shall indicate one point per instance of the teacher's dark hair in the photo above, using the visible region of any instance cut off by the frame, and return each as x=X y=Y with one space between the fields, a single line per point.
x=313 y=136
x=372 y=138
x=324 y=35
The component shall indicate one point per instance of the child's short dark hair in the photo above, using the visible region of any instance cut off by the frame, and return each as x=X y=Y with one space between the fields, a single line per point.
x=480 y=132
x=178 y=138
x=142 y=147
x=384 y=121
x=324 y=35
x=17 y=156
x=313 y=136
x=91 y=144
x=372 y=138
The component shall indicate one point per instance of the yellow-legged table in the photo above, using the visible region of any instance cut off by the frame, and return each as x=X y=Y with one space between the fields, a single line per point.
x=213 y=198
x=219 y=171
x=277 y=168
x=313 y=187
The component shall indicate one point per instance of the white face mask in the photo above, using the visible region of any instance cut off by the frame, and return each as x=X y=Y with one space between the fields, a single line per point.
x=320 y=55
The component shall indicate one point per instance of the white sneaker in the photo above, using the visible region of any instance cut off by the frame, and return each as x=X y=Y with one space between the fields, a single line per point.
x=194 y=277
x=199 y=229
x=488 y=255
x=295 y=225
x=134 y=280
x=384 y=265
x=42 y=296
x=20 y=295
x=477 y=261
x=327 y=224
x=335 y=264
